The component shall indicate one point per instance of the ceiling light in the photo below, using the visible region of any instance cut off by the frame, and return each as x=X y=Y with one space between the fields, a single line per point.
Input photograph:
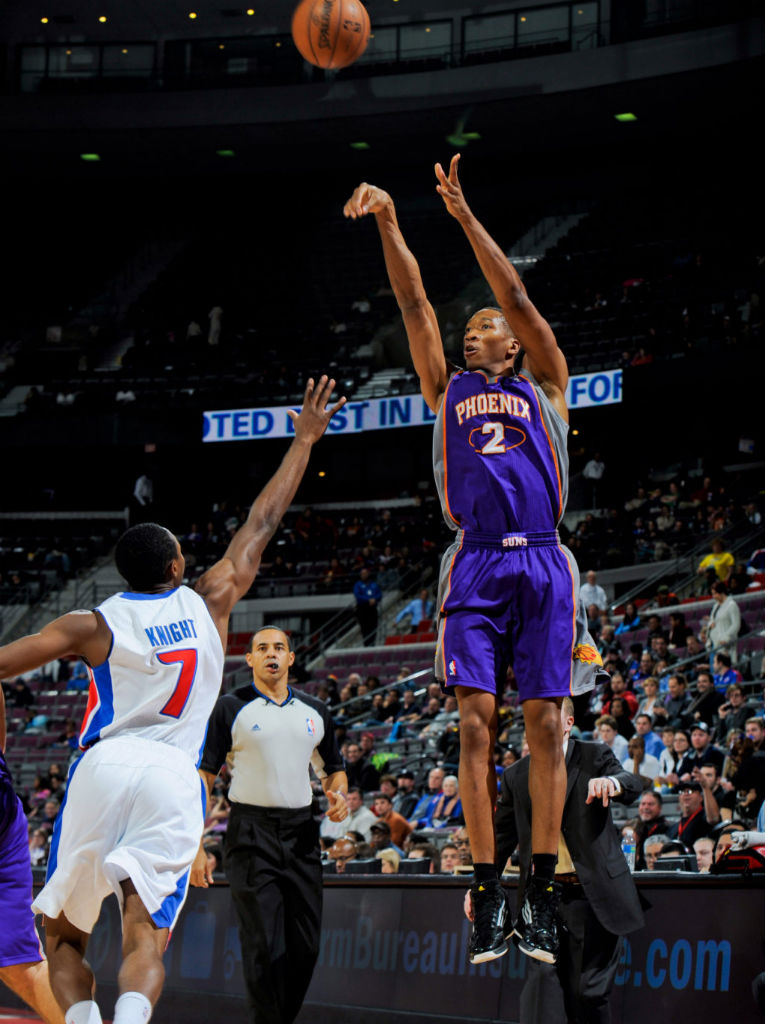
x=360 y=145
x=124 y=51
x=43 y=21
x=102 y=19
x=625 y=117
x=250 y=11
x=192 y=15
x=225 y=152
x=90 y=158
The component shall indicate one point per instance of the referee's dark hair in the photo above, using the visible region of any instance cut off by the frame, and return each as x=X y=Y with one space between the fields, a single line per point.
x=278 y=629
x=143 y=555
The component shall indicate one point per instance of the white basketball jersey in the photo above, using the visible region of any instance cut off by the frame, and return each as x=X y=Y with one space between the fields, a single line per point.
x=163 y=672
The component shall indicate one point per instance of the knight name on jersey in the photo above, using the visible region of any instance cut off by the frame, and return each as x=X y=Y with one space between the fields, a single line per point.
x=171 y=633
x=493 y=404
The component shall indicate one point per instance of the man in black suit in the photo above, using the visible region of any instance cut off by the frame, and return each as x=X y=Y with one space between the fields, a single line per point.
x=596 y=896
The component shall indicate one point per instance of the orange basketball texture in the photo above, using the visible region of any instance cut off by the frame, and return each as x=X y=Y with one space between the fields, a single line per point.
x=330 y=33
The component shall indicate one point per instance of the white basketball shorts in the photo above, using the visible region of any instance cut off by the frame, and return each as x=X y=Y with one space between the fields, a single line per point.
x=134 y=808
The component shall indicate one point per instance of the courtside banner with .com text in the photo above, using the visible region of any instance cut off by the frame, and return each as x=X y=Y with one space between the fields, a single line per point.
x=584 y=391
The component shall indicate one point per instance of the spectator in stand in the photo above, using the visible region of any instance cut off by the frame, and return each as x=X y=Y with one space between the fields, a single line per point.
x=39 y=840
x=607 y=643
x=45 y=816
x=733 y=714
x=593 y=472
x=390 y=861
x=80 y=677
x=444 y=809
x=647 y=705
x=380 y=839
x=665 y=597
x=449 y=859
x=640 y=763
x=607 y=733
x=725 y=838
x=368 y=596
x=340 y=852
x=671 y=758
x=19 y=695
x=644 y=729
x=594 y=621
x=678 y=630
x=675 y=704
x=399 y=827
x=620 y=712
x=360 y=773
x=755 y=731
x=651 y=822
x=409 y=709
x=388 y=786
x=630 y=620
x=702 y=752
x=704 y=849
x=462 y=842
x=654 y=627
x=749 y=777
x=699 y=812
x=418 y=610
x=619 y=689
x=723 y=791
x=660 y=649
x=652 y=849
x=591 y=592
x=718 y=565
x=724 y=622
x=449 y=714
x=435 y=782
x=405 y=800
x=695 y=649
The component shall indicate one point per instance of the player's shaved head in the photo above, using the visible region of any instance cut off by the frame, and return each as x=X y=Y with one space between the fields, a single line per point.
x=143 y=556
x=269 y=629
x=496 y=314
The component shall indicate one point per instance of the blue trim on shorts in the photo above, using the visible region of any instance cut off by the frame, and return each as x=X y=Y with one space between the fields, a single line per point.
x=167 y=913
x=53 y=855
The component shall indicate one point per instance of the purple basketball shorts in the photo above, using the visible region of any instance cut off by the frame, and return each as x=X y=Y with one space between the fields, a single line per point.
x=507 y=600
x=19 y=942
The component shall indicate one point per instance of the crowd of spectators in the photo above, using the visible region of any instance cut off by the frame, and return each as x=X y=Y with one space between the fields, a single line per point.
x=661 y=521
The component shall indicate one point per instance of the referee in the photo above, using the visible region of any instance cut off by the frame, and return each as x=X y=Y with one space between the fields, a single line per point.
x=270 y=735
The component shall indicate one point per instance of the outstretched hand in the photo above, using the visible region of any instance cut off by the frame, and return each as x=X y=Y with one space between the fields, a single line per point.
x=366 y=199
x=313 y=418
x=450 y=189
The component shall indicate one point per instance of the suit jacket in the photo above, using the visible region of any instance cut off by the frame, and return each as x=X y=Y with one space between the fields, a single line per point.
x=588 y=829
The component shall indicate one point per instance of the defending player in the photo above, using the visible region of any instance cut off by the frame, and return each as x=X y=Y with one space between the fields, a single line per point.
x=23 y=967
x=507 y=589
x=133 y=814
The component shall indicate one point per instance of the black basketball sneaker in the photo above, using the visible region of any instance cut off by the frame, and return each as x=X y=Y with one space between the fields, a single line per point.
x=536 y=927
x=491 y=925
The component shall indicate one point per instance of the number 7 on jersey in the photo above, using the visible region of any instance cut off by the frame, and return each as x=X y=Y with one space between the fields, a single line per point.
x=187 y=660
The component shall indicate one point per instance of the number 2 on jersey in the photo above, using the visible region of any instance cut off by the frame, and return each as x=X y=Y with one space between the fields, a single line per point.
x=187 y=660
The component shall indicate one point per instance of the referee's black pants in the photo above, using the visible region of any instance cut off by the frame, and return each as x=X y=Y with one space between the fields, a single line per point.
x=578 y=987
x=272 y=862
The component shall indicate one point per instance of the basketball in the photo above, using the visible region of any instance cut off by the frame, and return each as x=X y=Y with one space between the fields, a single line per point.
x=330 y=33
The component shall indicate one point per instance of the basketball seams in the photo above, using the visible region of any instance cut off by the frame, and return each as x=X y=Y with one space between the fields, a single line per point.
x=364 y=36
x=322 y=40
x=308 y=33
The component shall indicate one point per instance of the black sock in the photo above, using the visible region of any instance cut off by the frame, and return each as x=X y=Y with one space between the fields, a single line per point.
x=544 y=866
x=485 y=872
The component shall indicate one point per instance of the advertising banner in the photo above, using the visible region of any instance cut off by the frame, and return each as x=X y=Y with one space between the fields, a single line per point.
x=584 y=391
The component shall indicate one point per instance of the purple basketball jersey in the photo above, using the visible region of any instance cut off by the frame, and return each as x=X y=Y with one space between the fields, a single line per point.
x=19 y=943
x=499 y=454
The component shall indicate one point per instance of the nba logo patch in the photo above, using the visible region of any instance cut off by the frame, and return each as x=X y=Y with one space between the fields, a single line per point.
x=310 y=727
x=452 y=667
